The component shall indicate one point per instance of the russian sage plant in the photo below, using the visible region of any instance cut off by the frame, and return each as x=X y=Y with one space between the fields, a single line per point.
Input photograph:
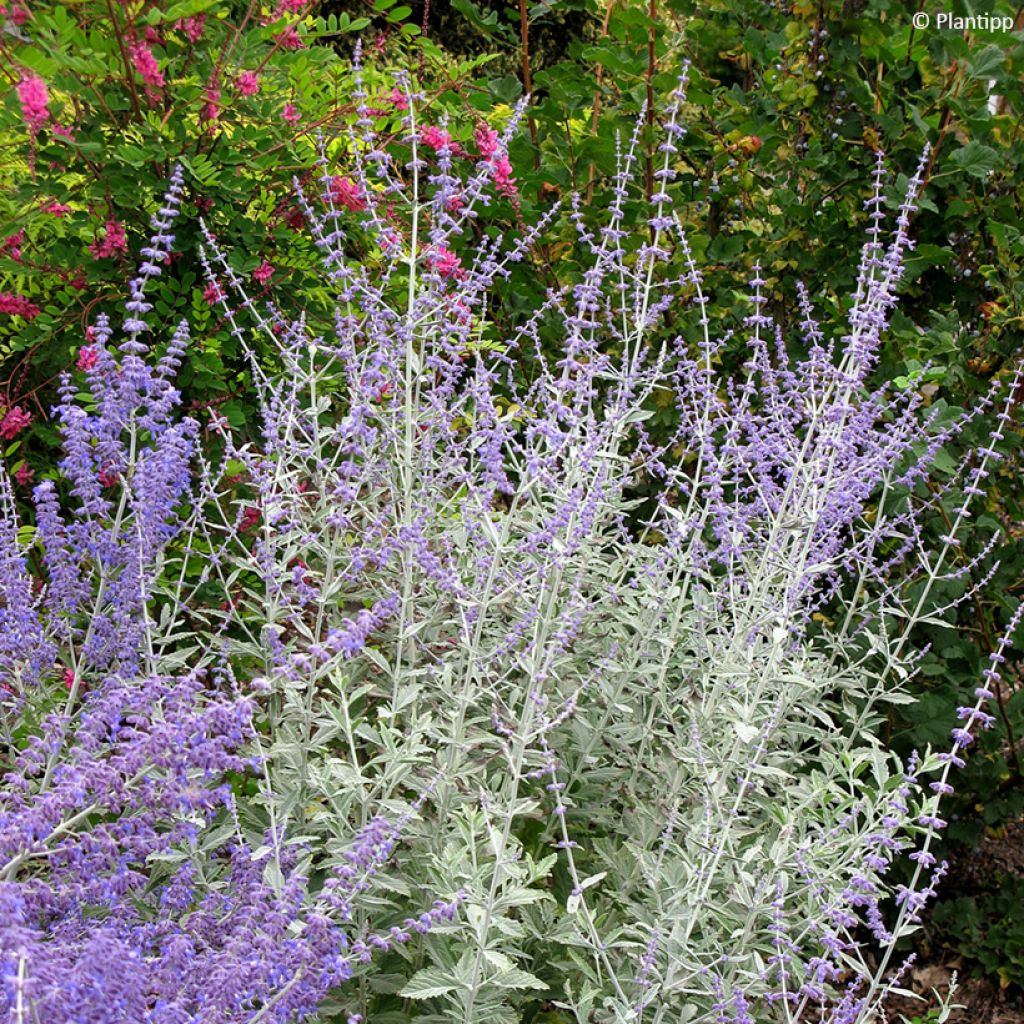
x=128 y=891
x=419 y=705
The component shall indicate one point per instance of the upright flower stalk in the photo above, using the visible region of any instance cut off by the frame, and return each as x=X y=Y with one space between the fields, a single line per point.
x=458 y=687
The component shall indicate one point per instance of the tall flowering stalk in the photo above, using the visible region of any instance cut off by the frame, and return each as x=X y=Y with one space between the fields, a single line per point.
x=132 y=888
x=620 y=746
x=453 y=570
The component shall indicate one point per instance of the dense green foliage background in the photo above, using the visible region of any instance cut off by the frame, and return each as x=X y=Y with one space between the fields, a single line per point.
x=786 y=107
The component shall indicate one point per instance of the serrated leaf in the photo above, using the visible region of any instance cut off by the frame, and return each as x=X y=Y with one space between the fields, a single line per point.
x=428 y=984
x=976 y=159
x=518 y=979
x=987 y=63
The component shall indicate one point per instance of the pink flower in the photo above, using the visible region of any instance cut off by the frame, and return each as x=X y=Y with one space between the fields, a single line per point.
x=14 y=422
x=399 y=100
x=108 y=477
x=113 y=242
x=345 y=192
x=147 y=67
x=17 y=14
x=250 y=517
x=57 y=209
x=69 y=677
x=34 y=102
x=11 y=245
x=263 y=273
x=212 y=103
x=18 y=305
x=24 y=475
x=504 y=181
x=489 y=145
x=65 y=133
x=486 y=141
x=212 y=293
x=455 y=203
x=87 y=358
x=193 y=27
x=152 y=36
x=436 y=138
x=291 y=113
x=446 y=263
x=248 y=83
x=289 y=39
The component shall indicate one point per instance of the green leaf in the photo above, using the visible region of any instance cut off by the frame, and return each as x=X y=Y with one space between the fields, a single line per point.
x=485 y=23
x=517 y=979
x=988 y=63
x=429 y=983
x=976 y=159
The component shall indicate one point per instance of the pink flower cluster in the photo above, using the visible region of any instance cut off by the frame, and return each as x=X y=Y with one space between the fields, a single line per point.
x=289 y=39
x=57 y=209
x=34 y=101
x=212 y=108
x=148 y=69
x=487 y=142
x=446 y=263
x=250 y=519
x=17 y=14
x=248 y=83
x=114 y=241
x=193 y=27
x=18 y=305
x=263 y=273
x=291 y=113
x=87 y=358
x=11 y=245
x=489 y=145
x=14 y=422
x=434 y=137
x=345 y=192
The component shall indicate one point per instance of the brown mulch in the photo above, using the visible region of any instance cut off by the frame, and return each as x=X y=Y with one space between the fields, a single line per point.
x=981 y=1001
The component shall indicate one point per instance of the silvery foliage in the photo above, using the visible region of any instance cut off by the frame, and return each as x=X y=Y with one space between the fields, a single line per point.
x=635 y=738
